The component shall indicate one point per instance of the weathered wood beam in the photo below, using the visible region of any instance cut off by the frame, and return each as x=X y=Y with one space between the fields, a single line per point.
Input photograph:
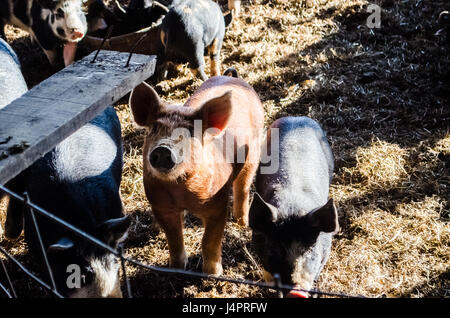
x=48 y=113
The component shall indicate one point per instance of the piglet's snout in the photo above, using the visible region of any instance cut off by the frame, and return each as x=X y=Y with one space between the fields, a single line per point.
x=163 y=158
x=76 y=25
x=77 y=34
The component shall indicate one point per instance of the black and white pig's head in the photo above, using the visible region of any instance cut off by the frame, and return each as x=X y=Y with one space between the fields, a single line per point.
x=290 y=245
x=66 y=19
x=84 y=271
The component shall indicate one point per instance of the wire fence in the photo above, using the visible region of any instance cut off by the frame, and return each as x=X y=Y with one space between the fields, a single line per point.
x=10 y=292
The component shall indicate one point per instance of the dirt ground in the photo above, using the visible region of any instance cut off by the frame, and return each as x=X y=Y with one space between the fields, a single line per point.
x=382 y=96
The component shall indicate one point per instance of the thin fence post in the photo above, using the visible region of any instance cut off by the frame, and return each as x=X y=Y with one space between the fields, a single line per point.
x=134 y=47
x=9 y=279
x=107 y=35
x=5 y=290
x=277 y=279
x=124 y=271
x=41 y=244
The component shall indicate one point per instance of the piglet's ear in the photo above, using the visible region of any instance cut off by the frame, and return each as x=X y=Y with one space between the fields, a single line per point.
x=115 y=230
x=262 y=215
x=216 y=113
x=144 y=103
x=325 y=218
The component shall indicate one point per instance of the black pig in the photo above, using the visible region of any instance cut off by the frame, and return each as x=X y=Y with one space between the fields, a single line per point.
x=79 y=182
x=191 y=29
x=291 y=217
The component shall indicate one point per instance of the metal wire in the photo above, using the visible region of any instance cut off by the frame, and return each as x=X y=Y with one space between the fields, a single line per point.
x=174 y=271
x=142 y=37
x=107 y=35
x=11 y=286
x=160 y=270
x=134 y=47
x=41 y=244
x=5 y=290
x=277 y=281
x=124 y=270
x=30 y=274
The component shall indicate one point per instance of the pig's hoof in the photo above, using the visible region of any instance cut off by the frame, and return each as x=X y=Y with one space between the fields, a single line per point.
x=179 y=262
x=242 y=222
x=213 y=268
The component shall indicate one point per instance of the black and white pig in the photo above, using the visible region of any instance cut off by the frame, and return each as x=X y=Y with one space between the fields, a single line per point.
x=12 y=84
x=192 y=29
x=51 y=23
x=79 y=182
x=291 y=218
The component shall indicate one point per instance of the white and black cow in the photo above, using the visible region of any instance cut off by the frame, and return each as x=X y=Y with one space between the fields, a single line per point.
x=52 y=23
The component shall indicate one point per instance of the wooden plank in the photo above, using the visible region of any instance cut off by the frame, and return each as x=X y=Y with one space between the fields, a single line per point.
x=35 y=123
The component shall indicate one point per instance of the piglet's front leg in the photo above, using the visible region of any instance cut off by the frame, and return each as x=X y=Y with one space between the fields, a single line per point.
x=212 y=241
x=172 y=224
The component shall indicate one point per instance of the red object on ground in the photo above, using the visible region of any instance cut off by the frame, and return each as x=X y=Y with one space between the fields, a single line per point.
x=297 y=294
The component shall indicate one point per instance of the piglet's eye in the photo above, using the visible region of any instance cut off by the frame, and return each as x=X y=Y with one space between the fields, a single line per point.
x=154 y=129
